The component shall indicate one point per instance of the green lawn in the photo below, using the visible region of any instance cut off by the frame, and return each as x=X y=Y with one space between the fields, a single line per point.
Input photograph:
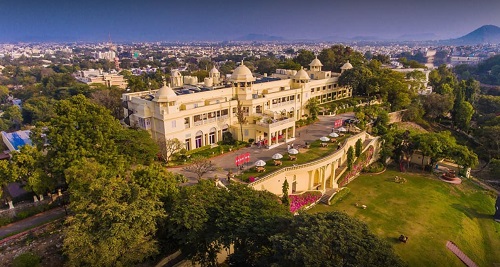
x=430 y=212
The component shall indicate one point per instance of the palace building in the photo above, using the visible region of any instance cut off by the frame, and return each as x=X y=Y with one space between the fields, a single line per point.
x=198 y=114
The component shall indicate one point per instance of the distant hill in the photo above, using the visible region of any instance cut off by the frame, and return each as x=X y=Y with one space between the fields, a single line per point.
x=259 y=37
x=484 y=34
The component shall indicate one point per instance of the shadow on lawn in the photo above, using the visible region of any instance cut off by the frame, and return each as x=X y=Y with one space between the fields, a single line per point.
x=471 y=213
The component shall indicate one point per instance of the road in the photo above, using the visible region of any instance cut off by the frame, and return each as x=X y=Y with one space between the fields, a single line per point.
x=31 y=222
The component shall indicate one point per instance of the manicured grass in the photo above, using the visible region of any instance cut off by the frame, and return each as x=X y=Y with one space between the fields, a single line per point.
x=430 y=212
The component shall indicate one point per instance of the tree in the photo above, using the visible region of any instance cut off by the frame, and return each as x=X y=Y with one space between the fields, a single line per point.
x=38 y=109
x=494 y=168
x=436 y=105
x=111 y=99
x=28 y=166
x=304 y=57
x=204 y=220
x=285 y=200
x=136 y=145
x=156 y=179
x=200 y=166
x=241 y=116
x=113 y=220
x=463 y=114
x=313 y=108
x=359 y=147
x=358 y=78
x=330 y=239
x=168 y=147
x=4 y=94
x=13 y=114
x=79 y=129
x=350 y=158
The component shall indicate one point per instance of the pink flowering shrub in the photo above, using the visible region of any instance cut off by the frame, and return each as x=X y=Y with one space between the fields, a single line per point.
x=251 y=179
x=363 y=160
x=299 y=201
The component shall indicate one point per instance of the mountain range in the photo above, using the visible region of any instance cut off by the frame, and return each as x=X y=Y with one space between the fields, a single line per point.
x=483 y=34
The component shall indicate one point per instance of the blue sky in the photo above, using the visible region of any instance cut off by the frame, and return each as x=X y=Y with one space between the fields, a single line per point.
x=153 y=20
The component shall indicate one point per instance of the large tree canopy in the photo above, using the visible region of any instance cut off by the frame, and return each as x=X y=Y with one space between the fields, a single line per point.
x=330 y=239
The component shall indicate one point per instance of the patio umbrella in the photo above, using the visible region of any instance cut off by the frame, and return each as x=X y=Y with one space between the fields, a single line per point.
x=342 y=129
x=324 y=139
x=277 y=156
x=260 y=163
x=334 y=135
x=293 y=151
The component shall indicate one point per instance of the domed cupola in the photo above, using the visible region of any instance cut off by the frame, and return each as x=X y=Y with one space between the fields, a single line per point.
x=242 y=74
x=301 y=76
x=315 y=64
x=165 y=94
x=346 y=66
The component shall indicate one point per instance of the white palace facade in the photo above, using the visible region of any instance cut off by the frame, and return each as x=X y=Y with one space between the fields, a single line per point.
x=200 y=116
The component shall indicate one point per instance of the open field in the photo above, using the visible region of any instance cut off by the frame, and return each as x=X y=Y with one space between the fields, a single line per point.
x=430 y=212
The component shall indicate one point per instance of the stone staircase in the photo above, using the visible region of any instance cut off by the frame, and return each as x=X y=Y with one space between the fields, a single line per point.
x=325 y=199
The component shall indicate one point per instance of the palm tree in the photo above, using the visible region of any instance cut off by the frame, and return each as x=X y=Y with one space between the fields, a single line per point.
x=313 y=107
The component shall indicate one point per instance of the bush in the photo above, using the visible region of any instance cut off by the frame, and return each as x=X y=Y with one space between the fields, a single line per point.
x=374 y=168
x=340 y=195
x=5 y=221
x=27 y=259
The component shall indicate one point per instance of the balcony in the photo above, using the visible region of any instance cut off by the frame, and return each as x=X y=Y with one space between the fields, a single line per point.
x=210 y=120
x=268 y=124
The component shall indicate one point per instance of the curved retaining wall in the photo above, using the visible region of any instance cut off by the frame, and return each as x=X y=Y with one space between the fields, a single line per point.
x=315 y=175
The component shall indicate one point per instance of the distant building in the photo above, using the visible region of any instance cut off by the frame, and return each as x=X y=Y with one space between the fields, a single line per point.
x=425 y=88
x=98 y=76
x=200 y=114
x=464 y=60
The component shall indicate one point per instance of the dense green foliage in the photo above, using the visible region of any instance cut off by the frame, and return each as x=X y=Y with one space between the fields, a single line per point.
x=331 y=239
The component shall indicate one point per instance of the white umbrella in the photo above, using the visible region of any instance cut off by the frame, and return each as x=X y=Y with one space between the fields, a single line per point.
x=324 y=139
x=277 y=156
x=334 y=135
x=260 y=163
x=293 y=151
x=342 y=129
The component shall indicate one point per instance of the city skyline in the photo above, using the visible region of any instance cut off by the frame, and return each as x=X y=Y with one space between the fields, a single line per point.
x=228 y=20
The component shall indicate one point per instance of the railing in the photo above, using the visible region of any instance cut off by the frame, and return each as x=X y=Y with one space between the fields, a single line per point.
x=308 y=164
x=274 y=124
x=282 y=104
x=207 y=121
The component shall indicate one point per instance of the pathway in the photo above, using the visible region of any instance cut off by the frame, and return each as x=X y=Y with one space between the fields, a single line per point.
x=226 y=161
x=31 y=222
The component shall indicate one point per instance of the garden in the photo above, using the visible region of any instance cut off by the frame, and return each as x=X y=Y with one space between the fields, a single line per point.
x=298 y=202
x=315 y=151
x=429 y=212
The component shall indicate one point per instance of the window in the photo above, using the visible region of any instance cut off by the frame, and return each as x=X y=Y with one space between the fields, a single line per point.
x=174 y=124
x=224 y=112
x=292 y=97
x=312 y=90
x=187 y=143
x=245 y=132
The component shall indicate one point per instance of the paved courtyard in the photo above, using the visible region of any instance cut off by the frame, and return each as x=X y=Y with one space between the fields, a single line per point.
x=309 y=133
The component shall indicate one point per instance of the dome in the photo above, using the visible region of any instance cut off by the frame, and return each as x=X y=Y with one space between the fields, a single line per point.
x=176 y=73
x=242 y=74
x=346 y=66
x=301 y=75
x=165 y=94
x=316 y=63
x=214 y=70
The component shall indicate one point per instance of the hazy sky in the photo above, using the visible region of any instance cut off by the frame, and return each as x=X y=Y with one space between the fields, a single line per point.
x=152 y=20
